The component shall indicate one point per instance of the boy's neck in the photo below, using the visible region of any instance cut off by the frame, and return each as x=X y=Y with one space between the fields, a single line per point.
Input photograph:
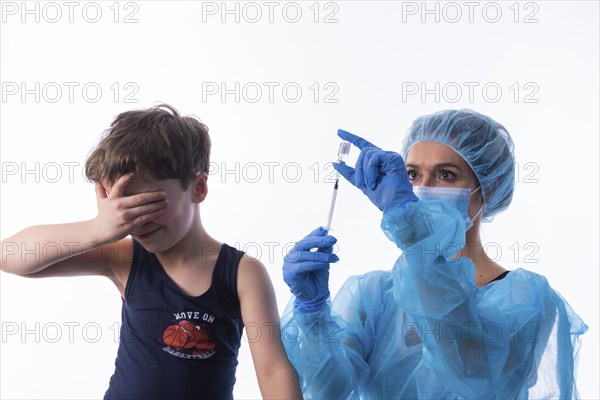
x=196 y=246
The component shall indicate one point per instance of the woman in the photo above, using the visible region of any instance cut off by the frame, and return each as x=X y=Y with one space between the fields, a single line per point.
x=447 y=322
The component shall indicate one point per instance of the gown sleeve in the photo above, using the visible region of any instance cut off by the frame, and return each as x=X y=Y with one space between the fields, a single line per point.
x=330 y=348
x=489 y=342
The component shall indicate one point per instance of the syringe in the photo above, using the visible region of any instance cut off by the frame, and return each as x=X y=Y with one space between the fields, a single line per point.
x=343 y=152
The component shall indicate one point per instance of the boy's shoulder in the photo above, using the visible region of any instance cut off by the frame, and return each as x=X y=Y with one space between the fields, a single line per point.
x=253 y=277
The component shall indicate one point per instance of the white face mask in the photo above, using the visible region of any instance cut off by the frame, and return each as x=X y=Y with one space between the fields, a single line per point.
x=457 y=197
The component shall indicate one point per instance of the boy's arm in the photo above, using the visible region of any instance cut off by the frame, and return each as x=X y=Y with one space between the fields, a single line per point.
x=69 y=249
x=94 y=247
x=277 y=378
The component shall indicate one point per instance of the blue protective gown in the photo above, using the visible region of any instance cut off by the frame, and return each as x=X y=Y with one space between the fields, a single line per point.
x=425 y=331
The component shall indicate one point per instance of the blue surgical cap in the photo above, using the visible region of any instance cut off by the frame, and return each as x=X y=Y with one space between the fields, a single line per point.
x=482 y=142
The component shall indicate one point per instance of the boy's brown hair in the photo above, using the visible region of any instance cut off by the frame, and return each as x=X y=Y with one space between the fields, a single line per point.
x=155 y=143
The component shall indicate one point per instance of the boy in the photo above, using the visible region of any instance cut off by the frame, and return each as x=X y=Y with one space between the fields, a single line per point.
x=186 y=296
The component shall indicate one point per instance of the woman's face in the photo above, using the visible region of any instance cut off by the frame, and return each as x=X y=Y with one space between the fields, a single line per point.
x=437 y=165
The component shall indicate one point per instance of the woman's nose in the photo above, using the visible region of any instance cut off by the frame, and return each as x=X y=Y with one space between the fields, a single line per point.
x=429 y=180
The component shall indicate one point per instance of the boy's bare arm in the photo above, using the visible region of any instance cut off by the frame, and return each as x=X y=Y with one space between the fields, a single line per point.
x=31 y=251
x=93 y=247
x=277 y=378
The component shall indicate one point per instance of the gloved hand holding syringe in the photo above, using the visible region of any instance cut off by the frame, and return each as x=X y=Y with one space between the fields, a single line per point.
x=343 y=152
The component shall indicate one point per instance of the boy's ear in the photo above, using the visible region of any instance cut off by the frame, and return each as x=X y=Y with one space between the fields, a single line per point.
x=200 y=187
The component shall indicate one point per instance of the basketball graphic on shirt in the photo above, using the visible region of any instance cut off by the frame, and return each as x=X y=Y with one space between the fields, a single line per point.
x=190 y=338
x=175 y=336
x=189 y=329
x=202 y=341
x=201 y=347
x=203 y=344
x=187 y=325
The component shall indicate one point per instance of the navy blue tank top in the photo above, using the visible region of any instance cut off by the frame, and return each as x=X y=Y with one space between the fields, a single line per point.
x=175 y=346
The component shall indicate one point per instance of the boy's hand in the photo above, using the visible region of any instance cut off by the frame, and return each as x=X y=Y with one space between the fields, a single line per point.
x=119 y=215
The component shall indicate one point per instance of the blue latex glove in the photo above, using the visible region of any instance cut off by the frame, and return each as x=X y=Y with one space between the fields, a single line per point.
x=381 y=175
x=306 y=272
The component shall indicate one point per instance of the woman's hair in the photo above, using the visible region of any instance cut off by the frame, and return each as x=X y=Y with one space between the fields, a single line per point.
x=482 y=142
x=156 y=143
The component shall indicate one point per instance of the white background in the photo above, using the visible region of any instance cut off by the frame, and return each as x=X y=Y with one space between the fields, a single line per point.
x=538 y=63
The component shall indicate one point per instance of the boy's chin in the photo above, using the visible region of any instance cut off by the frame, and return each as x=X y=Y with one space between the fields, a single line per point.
x=151 y=247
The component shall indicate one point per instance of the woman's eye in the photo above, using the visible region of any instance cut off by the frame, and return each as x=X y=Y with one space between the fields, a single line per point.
x=447 y=176
x=412 y=174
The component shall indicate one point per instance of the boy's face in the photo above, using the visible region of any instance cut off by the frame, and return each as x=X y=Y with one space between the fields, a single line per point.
x=167 y=230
